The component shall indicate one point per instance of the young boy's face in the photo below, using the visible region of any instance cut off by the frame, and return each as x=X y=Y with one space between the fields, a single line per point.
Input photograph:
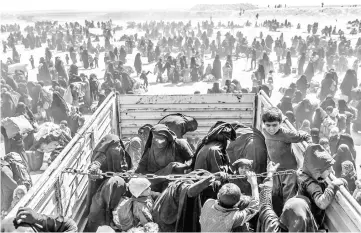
x=243 y=169
x=272 y=127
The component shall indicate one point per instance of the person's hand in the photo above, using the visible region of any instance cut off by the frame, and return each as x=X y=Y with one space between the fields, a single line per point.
x=94 y=172
x=27 y=215
x=220 y=176
x=272 y=167
x=337 y=182
x=251 y=178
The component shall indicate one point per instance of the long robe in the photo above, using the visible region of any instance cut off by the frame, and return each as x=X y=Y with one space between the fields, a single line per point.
x=110 y=159
x=104 y=202
x=217 y=69
x=59 y=109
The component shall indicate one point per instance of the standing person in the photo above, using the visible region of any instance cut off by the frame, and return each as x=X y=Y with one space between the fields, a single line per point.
x=32 y=62
x=254 y=57
x=67 y=59
x=138 y=64
x=288 y=65
x=96 y=59
x=301 y=63
x=145 y=78
x=217 y=68
x=279 y=146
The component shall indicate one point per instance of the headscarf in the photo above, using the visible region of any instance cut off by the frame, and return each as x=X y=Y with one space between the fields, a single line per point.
x=297 y=216
x=105 y=201
x=102 y=147
x=59 y=102
x=220 y=131
x=138 y=185
x=290 y=117
x=298 y=97
x=343 y=154
x=316 y=161
x=8 y=105
x=318 y=118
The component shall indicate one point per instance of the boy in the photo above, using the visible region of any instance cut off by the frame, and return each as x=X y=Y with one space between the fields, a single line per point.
x=279 y=146
x=222 y=215
x=32 y=62
x=145 y=78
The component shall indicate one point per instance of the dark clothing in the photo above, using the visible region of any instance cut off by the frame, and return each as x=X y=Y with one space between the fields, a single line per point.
x=211 y=154
x=179 y=123
x=316 y=161
x=217 y=69
x=59 y=109
x=104 y=202
x=108 y=158
x=164 y=160
x=343 y=154
x=285 y=105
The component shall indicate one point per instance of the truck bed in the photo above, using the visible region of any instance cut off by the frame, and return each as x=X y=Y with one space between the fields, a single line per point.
x=64 y=194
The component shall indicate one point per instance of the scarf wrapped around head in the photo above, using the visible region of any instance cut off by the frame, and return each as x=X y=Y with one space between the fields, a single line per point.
x=106 y=142
x=221 y=131
x=297 y=216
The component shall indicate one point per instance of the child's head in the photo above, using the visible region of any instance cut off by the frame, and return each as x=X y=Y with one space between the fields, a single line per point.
x=348 y=169
x=334 y=131
x=325 y=144
x=329 y=110
x=139 y=187
x=306 y=124
x=229 y=195
x=358 y=184
x=243 y=165
x=272 y=119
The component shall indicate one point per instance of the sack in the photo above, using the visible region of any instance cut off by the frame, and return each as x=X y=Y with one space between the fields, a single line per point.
x=15 y=125
x=123 y=214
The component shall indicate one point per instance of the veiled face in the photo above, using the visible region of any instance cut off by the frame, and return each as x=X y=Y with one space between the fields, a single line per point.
x=159 y=141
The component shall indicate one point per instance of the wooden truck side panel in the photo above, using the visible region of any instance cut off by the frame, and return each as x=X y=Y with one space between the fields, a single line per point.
x=58 y=193
x=138 y=110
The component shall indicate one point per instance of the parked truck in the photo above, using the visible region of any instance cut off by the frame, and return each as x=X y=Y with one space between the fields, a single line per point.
x=59 y=193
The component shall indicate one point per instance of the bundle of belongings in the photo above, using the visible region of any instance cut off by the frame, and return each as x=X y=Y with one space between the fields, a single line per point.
x=50 y=137
x=16 y=125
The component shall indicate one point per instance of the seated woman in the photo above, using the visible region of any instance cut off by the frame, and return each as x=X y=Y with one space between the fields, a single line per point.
x=211 y=154
x=104 y=202
x=164 y=153
x=108 y=156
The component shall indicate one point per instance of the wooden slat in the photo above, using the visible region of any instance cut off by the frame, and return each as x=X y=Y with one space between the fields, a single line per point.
x=185 y=107
x=190 y=99
x=198 y=115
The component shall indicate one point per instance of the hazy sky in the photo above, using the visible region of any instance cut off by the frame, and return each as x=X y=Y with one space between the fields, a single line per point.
x=86 y=5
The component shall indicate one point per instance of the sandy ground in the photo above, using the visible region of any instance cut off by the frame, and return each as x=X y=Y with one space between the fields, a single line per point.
x=241 y=70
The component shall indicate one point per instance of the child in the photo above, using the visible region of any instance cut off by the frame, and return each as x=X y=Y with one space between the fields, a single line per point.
x=305 y=127
x=65 y=128
x=325 y=144
x=222 y=215
x=135 y=211
x=349 y=174
x=145 y=78
x=315 y=134
x=32 y=62
x=279 y=145
x=317 y=166
x=96 y=59
x=67 y=59
x=242 y=166
x=270 y=82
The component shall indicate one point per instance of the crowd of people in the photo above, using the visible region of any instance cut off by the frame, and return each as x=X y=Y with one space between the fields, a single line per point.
x=40 y=117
